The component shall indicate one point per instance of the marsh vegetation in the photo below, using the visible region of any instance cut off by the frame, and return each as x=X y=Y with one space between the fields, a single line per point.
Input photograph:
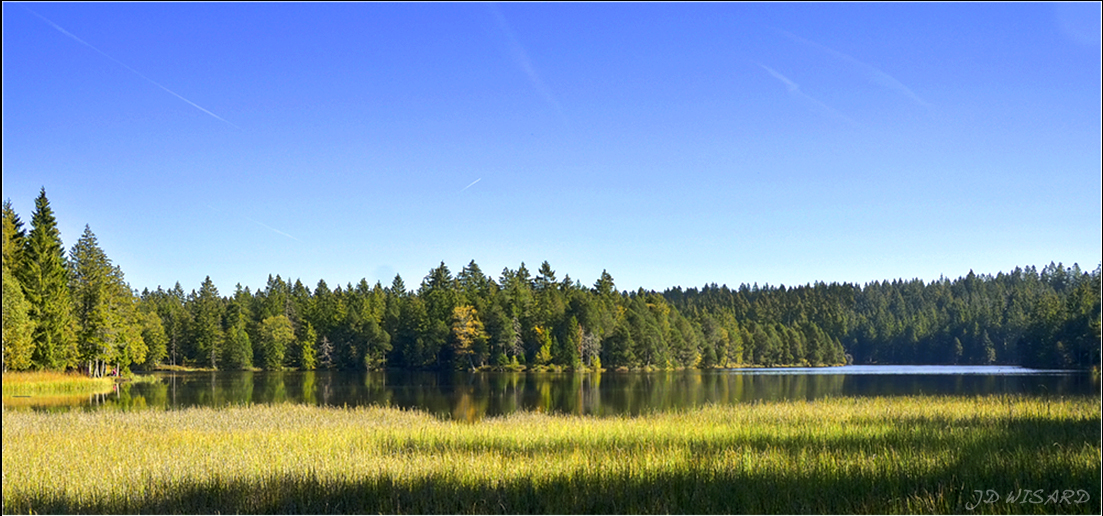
x=839 y=455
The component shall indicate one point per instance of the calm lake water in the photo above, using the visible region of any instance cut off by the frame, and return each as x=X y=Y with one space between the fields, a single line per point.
x=472 y=396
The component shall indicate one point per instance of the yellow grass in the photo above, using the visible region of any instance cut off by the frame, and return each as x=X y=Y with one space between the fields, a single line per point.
x=906 y=454
x=47 y=383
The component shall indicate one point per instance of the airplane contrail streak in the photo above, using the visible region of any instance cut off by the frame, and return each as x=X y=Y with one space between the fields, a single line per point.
x=794 y=89
x=271 y=228
x=472 y=184
x=124 y=65
x=875 y=75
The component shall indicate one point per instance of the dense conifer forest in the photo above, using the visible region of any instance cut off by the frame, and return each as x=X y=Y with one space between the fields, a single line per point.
x=75 y=311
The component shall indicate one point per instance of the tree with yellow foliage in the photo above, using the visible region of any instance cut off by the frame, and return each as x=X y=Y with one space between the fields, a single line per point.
x=468 y=334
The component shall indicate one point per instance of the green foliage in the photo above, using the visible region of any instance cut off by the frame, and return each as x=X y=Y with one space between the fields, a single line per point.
x=1021 y=317
x=18 y=326
x=543 y=355
x=109 y=324
x=276 y=335
x=305 y=354
x=1049 y=318
x=81 y=309
x=45 y=279
x=238 y=348
x=153 y=335
x=206 y=328
x=14 y=237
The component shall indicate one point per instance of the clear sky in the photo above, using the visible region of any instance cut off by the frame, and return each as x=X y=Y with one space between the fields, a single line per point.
x=671 y=144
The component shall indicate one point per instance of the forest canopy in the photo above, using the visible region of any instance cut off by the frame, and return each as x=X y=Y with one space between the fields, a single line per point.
x=75 y=310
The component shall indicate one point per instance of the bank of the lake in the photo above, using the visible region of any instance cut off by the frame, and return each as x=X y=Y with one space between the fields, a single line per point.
x=914 y=454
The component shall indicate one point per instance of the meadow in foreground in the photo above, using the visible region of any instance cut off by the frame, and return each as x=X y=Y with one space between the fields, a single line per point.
x=849 y=455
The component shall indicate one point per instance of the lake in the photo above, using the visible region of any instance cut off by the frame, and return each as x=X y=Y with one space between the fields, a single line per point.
x=472 y=396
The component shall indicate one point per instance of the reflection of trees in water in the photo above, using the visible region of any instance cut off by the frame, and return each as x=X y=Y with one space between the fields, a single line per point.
x=274 y=388
x=307 y=388
x=471 y=396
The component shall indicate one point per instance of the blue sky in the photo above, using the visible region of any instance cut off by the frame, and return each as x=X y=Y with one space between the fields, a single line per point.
x=671 y=144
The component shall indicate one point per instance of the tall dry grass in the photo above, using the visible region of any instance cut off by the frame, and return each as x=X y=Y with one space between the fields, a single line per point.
x=49 y=383
x=851 y=455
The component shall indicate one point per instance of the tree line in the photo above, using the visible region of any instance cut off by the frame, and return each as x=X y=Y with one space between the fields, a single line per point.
x=75 y=310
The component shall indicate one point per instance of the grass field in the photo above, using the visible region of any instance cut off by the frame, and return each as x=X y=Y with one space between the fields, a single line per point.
x=849 y=455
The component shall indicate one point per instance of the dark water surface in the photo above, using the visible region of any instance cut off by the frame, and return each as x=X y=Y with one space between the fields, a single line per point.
x=471 y=396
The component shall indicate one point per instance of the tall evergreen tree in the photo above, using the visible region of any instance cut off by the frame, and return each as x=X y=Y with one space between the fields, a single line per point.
x=18 y=326
x=276 y=335
x=45 y=281
x=98 y=324
x=153 y=334
x=207 y=333
x=305 y=355
x=14 y=237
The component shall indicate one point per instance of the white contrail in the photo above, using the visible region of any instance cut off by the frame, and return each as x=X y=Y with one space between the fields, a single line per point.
x=271 y=228
x=875 y=75
x=124 y=65
x=521 y=58
x=792 y=86
x=261 y=224
x=472 y=184
x=794 y=89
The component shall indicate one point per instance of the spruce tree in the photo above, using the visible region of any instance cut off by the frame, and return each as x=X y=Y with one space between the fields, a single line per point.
x=45 y=283
x=109 y=326
x=306 y=354
x=18 y=326
x=276 y=335
x=153 y=333
x=207 y=333
x=88 y=274
x=14 y=237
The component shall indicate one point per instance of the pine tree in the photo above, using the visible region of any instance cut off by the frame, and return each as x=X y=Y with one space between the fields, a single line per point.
x=153 y=334
x=276 y=335
x=109 y=326
x=14 y=237
x=207 y=332
x=97 y=323
x=398 y=287
x=306 y=354
x=45 y=283
x=18 y=326
x=237 y=348
x=237 y=351
x=604 y=285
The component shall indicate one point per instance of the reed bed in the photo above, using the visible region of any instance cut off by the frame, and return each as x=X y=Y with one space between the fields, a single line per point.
x=47 y=383
x=849 y=455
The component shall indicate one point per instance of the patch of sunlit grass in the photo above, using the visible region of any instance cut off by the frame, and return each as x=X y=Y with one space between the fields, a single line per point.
x=848 y=455
x=46 y=383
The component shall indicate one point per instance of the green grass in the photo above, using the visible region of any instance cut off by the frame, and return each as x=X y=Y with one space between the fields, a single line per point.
x=53 y=384
x=849 y=455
